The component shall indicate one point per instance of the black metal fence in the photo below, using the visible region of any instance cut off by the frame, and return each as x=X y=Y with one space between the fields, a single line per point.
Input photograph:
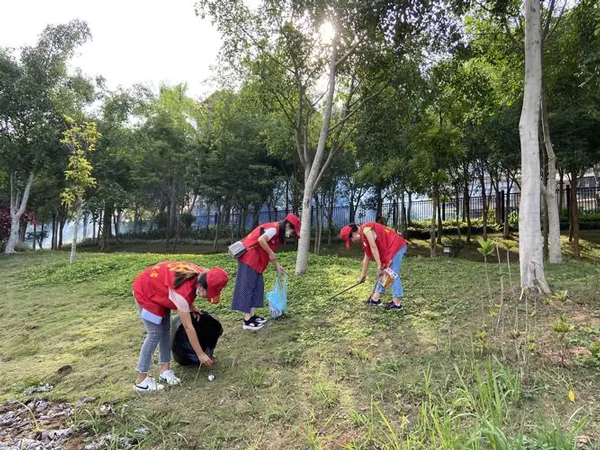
x=499 y=206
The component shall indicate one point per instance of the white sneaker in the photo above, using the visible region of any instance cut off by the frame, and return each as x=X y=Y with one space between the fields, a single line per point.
x=148 y=385
x=169 y=377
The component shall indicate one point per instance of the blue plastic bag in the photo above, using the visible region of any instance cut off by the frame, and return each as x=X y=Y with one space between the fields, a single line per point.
x=278 y=296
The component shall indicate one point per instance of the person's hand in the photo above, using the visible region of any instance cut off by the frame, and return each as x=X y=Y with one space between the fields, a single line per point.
x=206 y=360
x=280 y=269
x=380 y=270
x=195 y=312
x=362 y=279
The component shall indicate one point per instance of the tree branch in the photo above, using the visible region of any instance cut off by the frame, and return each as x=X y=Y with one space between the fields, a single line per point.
x=349 y=53
x=360 y=102
x=546 y=26
x=558 y=20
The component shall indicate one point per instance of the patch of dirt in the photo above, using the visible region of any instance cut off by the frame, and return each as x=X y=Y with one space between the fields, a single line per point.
x=580 y=352
x=582 y=317
x=37 y=424
x=41 y=424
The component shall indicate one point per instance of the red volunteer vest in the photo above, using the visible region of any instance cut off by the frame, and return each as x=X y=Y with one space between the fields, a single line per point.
x=388 y=242
x=151 y=287
x=256 y=257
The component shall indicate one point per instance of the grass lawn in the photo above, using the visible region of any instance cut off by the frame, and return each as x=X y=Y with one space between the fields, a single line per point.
x=466 y=365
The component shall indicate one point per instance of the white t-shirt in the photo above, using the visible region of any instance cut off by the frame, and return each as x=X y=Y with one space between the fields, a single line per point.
x=271 y=232
x=180 y=302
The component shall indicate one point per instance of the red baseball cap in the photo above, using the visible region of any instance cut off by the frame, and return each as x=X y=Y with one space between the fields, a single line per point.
x=216 y=280
x=346 y=235
x=293 y=219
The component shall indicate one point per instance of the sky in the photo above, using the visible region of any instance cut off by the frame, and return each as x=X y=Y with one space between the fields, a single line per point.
x=133 y=41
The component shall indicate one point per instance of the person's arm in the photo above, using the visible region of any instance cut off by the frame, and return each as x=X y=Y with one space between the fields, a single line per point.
x=183 y=308
x=190 y=331
x=365 y=269
x=374 y=250
x=263 y=241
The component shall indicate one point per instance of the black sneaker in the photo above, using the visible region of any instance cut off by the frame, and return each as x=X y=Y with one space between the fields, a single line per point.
x=251 y=324
x=372 y=302
x=392 y=305
x=258 y=319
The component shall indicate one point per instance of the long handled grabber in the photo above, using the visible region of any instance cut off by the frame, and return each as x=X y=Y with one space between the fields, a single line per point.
x=345 y=290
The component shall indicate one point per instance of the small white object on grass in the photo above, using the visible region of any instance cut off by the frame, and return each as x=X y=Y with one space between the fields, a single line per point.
x=211 y=377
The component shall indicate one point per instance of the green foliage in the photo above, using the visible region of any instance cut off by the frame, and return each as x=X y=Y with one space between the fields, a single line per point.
x=81 y=141
x=561 y=296
x=486 y=247
x=328 y=372
x=561 y=326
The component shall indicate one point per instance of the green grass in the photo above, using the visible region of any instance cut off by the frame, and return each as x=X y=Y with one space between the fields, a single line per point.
x=451 y=371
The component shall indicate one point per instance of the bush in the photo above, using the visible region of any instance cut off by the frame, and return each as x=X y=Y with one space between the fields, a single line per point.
x=587 y=220
x=513 y=220
x=422 y=229
x=455 y=244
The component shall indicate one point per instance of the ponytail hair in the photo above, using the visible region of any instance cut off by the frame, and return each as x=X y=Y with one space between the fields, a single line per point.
x=183 y=275
x=353 y=228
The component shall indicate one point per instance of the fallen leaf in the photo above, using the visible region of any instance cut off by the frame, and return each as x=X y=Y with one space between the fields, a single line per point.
x=572 y=396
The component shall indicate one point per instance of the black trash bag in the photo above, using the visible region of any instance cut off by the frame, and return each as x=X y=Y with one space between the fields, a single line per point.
x=208 y=329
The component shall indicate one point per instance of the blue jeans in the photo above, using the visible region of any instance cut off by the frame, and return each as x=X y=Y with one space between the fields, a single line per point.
x=397 y=290
x=158 y=335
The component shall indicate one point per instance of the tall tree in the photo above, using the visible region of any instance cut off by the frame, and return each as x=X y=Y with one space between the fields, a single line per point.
x=301 y=41
x=531 y=256
x=31 y=94
x=81 y=142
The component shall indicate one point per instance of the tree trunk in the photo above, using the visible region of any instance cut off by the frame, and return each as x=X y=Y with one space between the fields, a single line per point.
x=85 y=226
x=53 y=238
x=170 y=217
x=117 y=221
x=312 y=170
x=318 y=221
x=17 y=208
x=554 y=249
x=432 y=244
x=106 y=225
x=62 y=221
x=467 y=211
x=575 y=215
x=177 y=230
x=507 y=209
x=22 y=229
x=440 y=228
x=100 y=221
x=544 y=227
x=287 y=196
x=530 y=238
x=379 y=207
x=408 y=211
x=561 y=193
x=78 y=208
x=402 y=215
x=457 y=206
x=484 y=203
x=34 y=235
x=217 y=229
x=41 y=238
x=351 y=210
x=331 y=201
